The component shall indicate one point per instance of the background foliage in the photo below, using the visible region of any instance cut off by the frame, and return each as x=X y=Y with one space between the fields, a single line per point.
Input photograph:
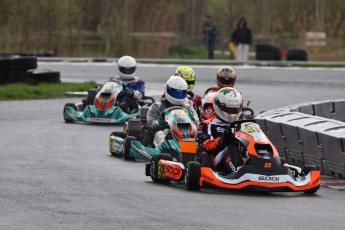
x=162 y=28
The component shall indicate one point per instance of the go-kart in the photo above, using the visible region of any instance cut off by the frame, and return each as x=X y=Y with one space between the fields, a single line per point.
x=100 y=106
x=136 y=142
x=263 y=170
x=207 y=112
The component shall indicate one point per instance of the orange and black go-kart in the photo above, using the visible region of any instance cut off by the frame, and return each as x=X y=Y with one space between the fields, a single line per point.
x=263 y=169
x=207 y=112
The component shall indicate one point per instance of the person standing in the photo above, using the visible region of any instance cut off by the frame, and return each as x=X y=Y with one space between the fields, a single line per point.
x=242 y=37
x=209 y=30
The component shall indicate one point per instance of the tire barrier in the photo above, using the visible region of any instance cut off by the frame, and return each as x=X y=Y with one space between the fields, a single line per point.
x=267 y=52
x=297 y=55
x=309 y=133
x=14 y=69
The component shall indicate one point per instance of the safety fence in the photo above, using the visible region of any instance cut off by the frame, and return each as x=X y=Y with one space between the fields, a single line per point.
x=309 y=133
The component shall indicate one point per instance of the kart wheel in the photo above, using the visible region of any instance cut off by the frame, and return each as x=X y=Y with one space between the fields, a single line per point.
x=307 y=168
x=119 y=134
x=67 y=119
x=206 y=160
x=123 y=135
x=248 y=113
x=193 y=175
x=312 y=191
x=127 y=148
x=157 y=171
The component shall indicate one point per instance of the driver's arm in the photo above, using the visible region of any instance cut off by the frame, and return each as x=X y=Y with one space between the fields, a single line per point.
x=139 y=90
x=152 y=116
x=193 y=115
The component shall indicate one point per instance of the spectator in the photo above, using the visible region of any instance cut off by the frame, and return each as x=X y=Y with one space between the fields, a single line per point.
x=242 y=37
x=209 y=30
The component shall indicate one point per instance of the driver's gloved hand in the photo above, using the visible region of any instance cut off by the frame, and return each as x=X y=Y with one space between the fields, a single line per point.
x=128 y=92
x=203 y=136
x=162 y=122
x=225 y=138
x=191 y=116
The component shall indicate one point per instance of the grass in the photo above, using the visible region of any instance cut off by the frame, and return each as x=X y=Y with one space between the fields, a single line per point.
x=22 y=91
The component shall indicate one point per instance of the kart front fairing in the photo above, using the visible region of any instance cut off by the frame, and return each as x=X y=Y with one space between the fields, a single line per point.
x=250 y=178
x=93 y=115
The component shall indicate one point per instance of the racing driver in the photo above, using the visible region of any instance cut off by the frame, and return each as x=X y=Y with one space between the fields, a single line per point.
x=219 y=146
x=134 y=88
x=175 y=94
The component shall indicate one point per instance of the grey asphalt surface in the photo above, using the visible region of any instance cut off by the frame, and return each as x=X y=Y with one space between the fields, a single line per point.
x=55 y=175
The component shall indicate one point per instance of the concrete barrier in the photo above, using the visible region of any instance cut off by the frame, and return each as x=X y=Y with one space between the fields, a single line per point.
x=309 y=133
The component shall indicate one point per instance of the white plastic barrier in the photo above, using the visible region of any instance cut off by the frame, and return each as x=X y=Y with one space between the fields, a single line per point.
x=309 y=133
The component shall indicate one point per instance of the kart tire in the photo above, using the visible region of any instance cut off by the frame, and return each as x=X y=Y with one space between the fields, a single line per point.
x=119 y=134
x=193 y=175
x=306 y=169
x=127 y=148
x=64 y=110
x=91 y=94
x=123 y=135
x=37 y=76
x=155 y=169
x=248 y=113
x=134 y=127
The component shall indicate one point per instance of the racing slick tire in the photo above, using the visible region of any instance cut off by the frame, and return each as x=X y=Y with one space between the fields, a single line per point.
x=127 y=148
x=157 y=171
x=64 y=110
x=123 y=135
x=91 y=94
x=134 y=127
x=248 y=113
x=193 y=175
x=306 y=169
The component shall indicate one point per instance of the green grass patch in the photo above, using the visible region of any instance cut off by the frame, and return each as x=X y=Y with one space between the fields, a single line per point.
x=22 y=91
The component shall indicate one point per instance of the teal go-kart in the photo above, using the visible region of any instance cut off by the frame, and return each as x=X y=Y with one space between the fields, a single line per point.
x=136 y=142
x=100 y=106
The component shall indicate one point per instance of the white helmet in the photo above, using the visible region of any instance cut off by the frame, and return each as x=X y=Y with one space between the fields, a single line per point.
x=176 y=90
x=228 y=104
x=127 y=66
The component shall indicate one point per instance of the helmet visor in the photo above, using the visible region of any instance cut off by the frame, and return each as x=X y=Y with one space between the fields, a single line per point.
x=228 y=110
x=226 y=80
x=176 y=93
x=190 y=82
x=126 y=70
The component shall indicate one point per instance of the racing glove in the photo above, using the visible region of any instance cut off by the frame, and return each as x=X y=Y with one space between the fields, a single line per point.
x=203 y=136
x=162 y=122
x=129 y=92
x=225 y=138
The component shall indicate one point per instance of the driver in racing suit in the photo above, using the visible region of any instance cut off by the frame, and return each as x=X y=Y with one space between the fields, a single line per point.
x=134 y=88
x=175 y=94
x=226 y=77
x=220 y=147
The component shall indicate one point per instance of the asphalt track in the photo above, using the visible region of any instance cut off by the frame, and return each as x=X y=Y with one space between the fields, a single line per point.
x=55 y=175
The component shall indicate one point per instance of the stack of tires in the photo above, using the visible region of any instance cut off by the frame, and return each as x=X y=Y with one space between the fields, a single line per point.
x=15 y=68
x=295 y=54
x=267 y=52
